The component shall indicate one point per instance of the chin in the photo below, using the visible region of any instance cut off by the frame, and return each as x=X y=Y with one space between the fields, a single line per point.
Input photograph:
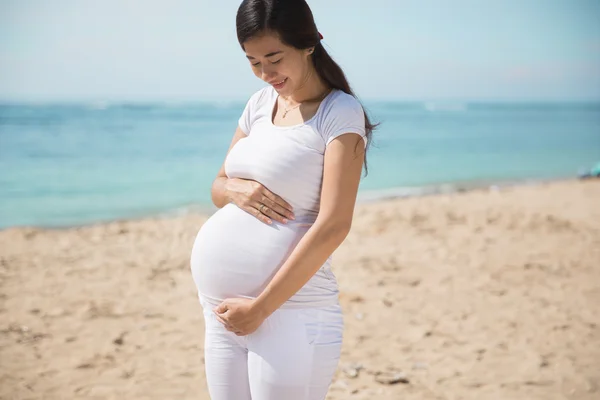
x=285 y=91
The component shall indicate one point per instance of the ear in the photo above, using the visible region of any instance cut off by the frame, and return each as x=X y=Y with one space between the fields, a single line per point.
x=310 y=50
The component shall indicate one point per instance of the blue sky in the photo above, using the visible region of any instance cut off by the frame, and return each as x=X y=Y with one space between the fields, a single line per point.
x=183 y=50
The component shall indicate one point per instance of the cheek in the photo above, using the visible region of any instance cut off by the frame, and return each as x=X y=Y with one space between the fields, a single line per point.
x=257 y=71
x=289 y=72
x=296 y=70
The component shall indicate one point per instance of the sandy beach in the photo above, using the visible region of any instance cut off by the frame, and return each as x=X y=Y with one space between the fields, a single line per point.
x=488 y=294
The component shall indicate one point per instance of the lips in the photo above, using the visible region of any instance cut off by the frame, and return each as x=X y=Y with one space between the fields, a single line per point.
x=278 y=83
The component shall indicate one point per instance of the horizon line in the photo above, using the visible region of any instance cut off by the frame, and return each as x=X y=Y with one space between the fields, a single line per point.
x=156 y=101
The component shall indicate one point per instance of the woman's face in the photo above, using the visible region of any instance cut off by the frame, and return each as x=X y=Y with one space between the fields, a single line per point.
x=284 y=67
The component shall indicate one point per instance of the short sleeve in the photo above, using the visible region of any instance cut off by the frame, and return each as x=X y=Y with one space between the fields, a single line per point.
x=244 y=122
x=249 y=114
x=345 y=115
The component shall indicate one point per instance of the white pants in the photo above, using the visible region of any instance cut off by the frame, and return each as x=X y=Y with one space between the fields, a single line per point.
x=291 y=356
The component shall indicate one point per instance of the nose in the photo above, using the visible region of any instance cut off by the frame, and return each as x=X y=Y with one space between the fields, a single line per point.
x=268 y=72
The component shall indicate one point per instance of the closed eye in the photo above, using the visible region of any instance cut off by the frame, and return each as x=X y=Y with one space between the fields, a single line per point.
x=272 y=62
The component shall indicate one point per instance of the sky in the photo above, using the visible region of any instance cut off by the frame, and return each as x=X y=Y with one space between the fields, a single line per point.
x=184 y=50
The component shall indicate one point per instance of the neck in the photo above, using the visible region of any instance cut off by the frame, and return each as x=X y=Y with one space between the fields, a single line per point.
x=312 y=88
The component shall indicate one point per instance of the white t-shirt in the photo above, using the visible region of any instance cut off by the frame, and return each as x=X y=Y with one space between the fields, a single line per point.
x=288 y=160
x=338 y=113
x=235 y=254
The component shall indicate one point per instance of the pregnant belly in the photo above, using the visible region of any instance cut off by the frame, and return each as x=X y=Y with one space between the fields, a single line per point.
x=236 y=255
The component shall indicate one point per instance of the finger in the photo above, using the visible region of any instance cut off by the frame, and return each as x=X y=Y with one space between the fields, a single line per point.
x=233 y=330
x=278 y=200
x=226 y=324
x=262 y=195
x=254 y=210
x=222 y=316
x=277 y=211
x=221 y=319
x=221 y=308
x=267 y=211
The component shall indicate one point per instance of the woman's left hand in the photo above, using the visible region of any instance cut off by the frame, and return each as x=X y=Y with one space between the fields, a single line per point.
x=240 y=316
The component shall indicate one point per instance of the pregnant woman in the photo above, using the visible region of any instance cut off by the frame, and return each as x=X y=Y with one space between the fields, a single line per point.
x=286 y=195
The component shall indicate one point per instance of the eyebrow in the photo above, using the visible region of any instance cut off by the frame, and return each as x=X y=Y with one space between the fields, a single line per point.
x=266 y=55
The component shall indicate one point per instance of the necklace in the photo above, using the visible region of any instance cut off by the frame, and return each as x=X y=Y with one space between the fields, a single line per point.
x=287 y=110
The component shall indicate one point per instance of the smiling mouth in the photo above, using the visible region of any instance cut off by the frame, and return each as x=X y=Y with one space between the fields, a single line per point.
x=278 y=83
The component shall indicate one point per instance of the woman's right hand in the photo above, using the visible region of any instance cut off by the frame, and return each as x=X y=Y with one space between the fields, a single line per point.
x=254 y=198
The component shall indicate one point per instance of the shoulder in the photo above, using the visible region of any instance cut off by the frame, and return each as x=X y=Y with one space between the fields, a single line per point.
x=342 y=113
x=261 y=96
x=341 y=110
x=256 y=106
x=341 y=103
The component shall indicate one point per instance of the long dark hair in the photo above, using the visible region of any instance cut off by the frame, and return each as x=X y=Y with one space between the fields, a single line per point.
x=293 y=21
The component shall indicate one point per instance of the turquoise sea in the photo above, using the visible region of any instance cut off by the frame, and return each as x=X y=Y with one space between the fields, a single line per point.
x=72 y=164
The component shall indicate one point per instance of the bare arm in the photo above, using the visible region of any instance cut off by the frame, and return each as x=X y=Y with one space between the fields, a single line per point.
x=218 y=191
x=341 y=177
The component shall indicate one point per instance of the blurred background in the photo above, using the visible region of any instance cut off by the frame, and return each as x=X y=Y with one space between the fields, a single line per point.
x=123 y=109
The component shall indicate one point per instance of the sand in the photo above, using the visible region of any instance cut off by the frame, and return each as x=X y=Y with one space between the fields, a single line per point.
x=489 y=294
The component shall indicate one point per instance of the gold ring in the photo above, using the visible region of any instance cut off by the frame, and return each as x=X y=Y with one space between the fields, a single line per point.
x=261 y=208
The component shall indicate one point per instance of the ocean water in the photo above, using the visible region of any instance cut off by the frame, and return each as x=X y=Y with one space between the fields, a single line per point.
x=73 y=164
